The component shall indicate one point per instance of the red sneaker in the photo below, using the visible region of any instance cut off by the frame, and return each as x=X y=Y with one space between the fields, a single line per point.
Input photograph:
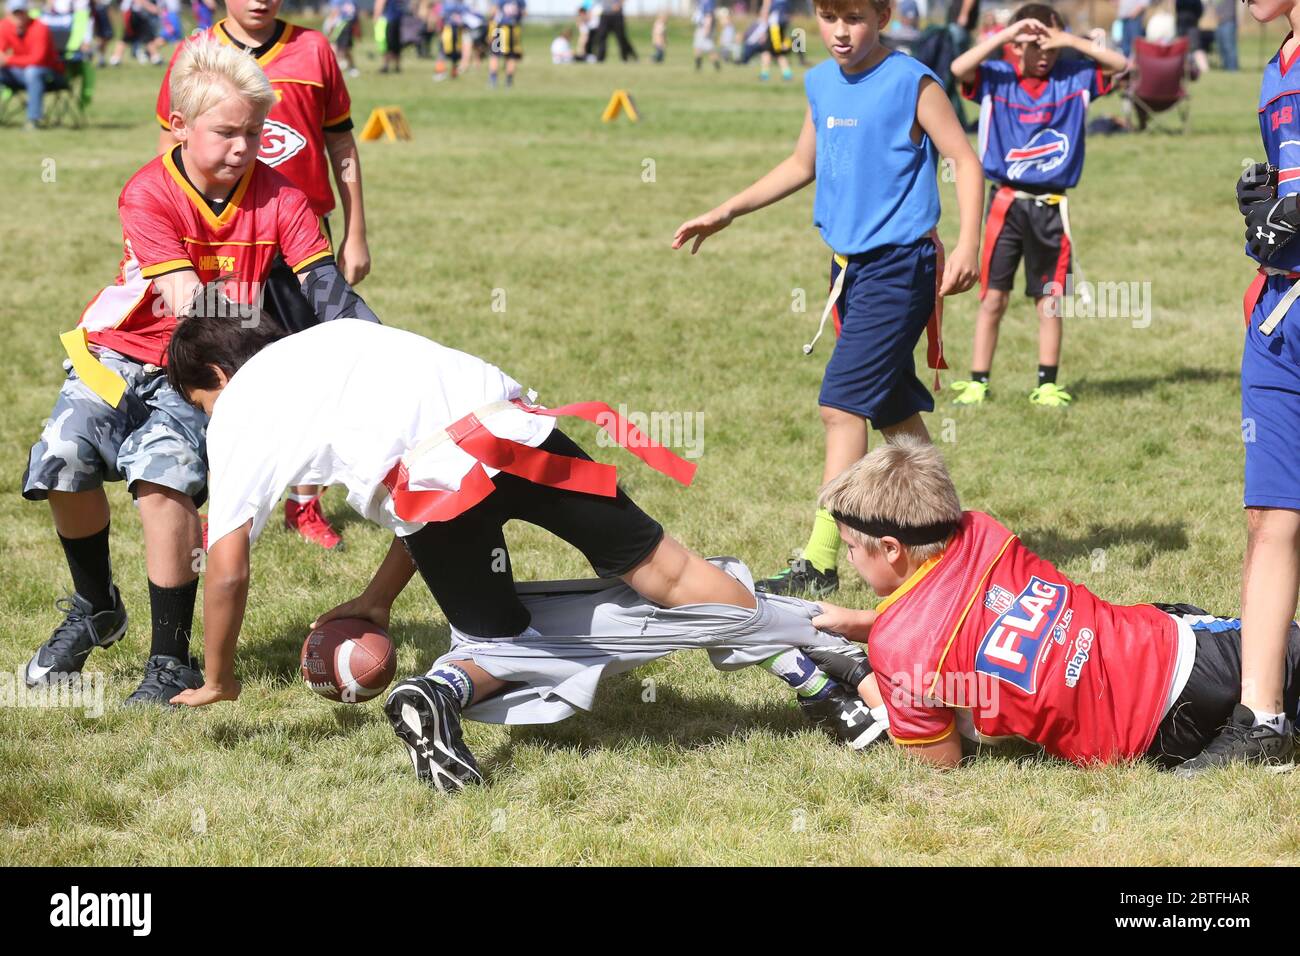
x=310 y=522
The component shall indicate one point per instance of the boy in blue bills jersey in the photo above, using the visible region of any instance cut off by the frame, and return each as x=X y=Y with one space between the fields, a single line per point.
x=1033 y=113
x=506 y=39
x=1269 y=197
x=874 y=122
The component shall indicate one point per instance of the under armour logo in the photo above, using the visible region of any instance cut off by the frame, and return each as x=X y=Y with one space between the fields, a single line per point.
x=1261 y=234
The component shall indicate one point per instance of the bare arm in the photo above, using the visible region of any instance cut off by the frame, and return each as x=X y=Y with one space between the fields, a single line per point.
x=1108 y=61
x=937 y=119
x=789 y=176
x=966 y=67
x=177 y=289
x=353 y=254
x=376 y=602
x=225 y=598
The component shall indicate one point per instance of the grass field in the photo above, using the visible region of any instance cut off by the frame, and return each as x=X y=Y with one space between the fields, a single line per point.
x=1134 y=491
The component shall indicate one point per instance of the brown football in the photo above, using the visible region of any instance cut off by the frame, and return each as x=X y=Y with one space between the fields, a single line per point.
x=348 y=660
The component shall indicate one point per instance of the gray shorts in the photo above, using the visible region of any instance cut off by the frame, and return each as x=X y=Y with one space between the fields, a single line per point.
x=153 y=435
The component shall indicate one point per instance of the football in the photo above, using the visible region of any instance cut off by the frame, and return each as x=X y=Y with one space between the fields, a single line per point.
x=348 y=660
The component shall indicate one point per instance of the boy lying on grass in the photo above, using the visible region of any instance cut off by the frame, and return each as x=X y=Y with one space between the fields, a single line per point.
x=975 y=627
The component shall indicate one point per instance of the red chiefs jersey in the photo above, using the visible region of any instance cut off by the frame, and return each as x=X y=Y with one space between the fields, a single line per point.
x=167 y=226
x=992 y=628
x=310 y=98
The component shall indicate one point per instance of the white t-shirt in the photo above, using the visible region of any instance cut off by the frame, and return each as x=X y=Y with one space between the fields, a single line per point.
x=339 y=404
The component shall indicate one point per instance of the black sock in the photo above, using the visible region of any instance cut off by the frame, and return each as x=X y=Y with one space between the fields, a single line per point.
x=1046 y=374
x=173 y=619
x=980 y=377
x=92 y=571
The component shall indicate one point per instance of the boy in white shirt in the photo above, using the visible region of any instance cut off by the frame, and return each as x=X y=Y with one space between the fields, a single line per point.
x=444 y=449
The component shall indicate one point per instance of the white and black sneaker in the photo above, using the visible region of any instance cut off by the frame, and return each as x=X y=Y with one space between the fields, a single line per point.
x=81 y=632
x=426 y=717
x=844 y=716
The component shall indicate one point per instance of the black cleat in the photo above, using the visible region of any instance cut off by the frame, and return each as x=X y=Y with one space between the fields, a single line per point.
x=65 y=653
x=1240 y=741
x=426 y=717
x=801 y=579
x=165 y=677
x=844 y=716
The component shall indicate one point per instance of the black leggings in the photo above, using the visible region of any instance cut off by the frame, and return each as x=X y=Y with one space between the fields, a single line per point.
x=467 y=566
x=1213 y=690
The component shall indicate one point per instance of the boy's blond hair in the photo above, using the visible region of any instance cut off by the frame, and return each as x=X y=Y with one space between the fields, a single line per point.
x=207 y=71
x=902 y=485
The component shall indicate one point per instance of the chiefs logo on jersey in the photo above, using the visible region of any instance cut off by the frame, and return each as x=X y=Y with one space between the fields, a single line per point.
x=1045 y=150
x=1014 y=647
x=279 y=143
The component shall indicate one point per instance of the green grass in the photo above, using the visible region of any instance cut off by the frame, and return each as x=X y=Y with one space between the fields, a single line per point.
x=1134 y=491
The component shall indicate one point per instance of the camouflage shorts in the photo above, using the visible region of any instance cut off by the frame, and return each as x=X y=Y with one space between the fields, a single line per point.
x=153 y=435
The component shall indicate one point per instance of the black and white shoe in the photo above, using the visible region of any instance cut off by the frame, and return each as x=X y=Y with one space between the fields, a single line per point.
x=1241 y=741
x=844 y=716
x=81 y=632
x=165 y=677
x=426 y=717
x=801 y=579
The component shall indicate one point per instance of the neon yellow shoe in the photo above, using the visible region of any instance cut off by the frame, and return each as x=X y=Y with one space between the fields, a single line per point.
x=1051 y=395
x=970 y=393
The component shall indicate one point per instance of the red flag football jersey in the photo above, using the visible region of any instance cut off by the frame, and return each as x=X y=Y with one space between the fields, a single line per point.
x=167 y=226
x=992 y=628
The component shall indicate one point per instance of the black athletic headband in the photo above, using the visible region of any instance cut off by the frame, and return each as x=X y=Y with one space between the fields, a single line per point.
x=911 y=535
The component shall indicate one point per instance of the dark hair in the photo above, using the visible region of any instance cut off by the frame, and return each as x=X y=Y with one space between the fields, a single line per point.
x=199 y=343
x=1042 y=12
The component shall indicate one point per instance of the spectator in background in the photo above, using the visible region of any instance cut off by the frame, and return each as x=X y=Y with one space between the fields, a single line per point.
x=1187 y=18
x=1161 y=26
x=103 y=30
x=1225 y=34
x=562 y=47
x=28 y=60
x=659 y=37
x=341 y=28
x=727 y=44
x=390 y=11
x=611 y=21
x=1130 y=23
x=203 y=11
x=905 y=32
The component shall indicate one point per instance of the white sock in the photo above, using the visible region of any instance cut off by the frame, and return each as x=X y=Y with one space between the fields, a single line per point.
x=1275 y=722
x=301 y=499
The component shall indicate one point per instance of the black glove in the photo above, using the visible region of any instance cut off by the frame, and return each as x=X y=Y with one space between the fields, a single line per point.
x=1258 y=183
x=1271 y=225
x=847 y=663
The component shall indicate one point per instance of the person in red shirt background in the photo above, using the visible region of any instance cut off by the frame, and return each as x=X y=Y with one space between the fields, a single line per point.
x=28 y=60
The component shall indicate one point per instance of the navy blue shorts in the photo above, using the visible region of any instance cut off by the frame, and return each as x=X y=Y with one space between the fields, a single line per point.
x=880 y=315
x=1270 y=405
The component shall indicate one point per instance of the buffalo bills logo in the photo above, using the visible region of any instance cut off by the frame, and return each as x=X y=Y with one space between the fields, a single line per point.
x=279 y=143
x=1046 y=150
x=1013 y=648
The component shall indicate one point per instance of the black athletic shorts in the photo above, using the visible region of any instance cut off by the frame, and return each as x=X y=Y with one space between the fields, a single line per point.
x=1027 y=229
x=466 y=564
x=1214 y=688
x=282 y=296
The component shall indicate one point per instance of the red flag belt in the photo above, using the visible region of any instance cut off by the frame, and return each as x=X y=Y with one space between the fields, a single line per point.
x=532 y=464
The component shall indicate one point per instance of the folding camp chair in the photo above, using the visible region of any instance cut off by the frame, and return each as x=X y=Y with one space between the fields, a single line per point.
x=69 y=94
x=1161 y=82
